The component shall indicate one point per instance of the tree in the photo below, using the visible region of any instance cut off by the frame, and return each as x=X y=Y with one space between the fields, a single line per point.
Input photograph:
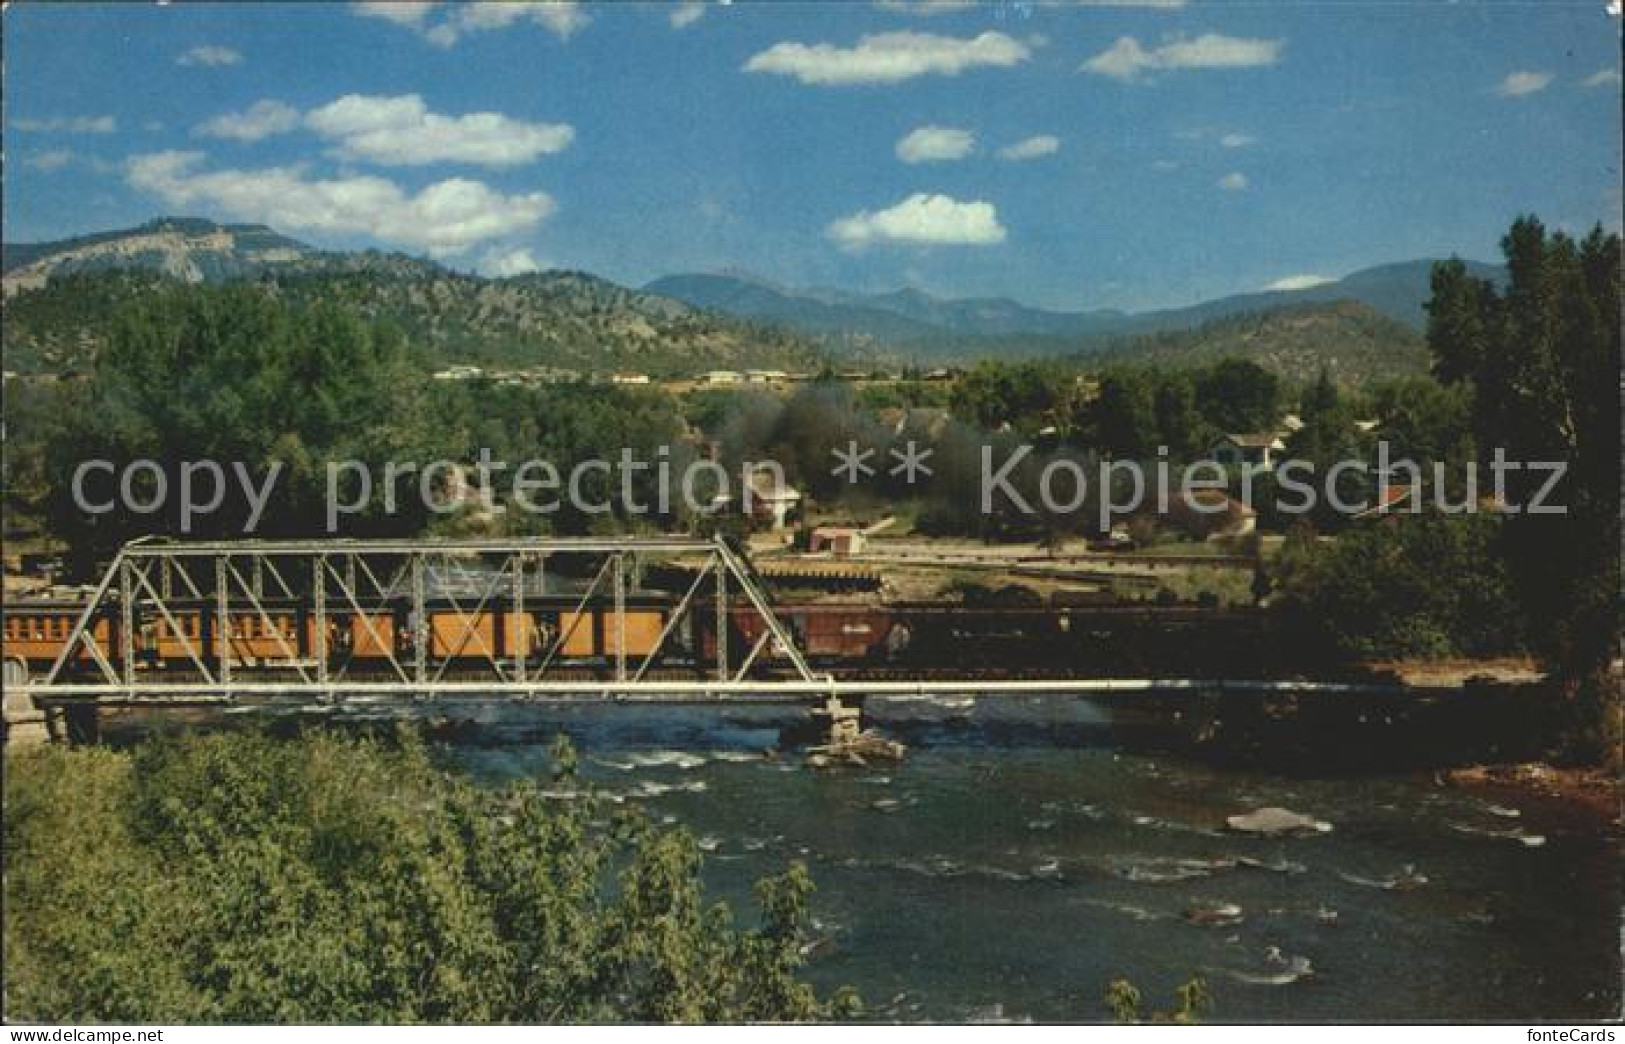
x=236 y=376
x=1179 y=422
x=333 y=878
x=995 y=394
x=1429 y=586
x=1239 y=396
x=1125 y=418
x=1543 y=359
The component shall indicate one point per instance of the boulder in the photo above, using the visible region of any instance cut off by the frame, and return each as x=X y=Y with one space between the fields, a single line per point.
x=1277 y=822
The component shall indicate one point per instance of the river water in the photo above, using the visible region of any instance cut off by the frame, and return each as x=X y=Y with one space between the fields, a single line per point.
x=1020 y=858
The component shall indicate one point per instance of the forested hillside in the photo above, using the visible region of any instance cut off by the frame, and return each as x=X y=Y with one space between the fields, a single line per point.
x=62 y=296
x=1349 y=341
x=551 y=319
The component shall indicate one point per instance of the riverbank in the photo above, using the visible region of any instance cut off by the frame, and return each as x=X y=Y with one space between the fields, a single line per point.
x=1588 y=794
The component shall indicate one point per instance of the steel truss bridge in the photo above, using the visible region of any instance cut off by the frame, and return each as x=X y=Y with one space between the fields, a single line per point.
x=252 y=582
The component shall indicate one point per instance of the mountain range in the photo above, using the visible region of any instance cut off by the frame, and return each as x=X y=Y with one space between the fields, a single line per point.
x=908 y=318
x=59 y=295
x=61 y=298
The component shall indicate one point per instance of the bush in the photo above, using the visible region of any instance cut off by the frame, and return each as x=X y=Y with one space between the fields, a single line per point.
x=242 y=878
x=1423 y=586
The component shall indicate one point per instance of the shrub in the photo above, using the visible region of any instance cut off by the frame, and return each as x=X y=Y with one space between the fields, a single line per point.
x=331 y=878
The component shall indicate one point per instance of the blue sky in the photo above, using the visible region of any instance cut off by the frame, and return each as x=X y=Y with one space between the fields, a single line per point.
x=1125 y=155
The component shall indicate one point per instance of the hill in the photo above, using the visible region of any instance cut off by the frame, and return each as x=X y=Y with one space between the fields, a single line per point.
x=1349 y=340
x=62 y=299
x=911 y=322
x=189 y=249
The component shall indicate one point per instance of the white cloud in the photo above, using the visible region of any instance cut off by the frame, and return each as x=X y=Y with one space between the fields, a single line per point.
x=1299 y=282
x=69 y=125
x=1602 y=78
x=934 y=144
x=211 y=55
x=50 y=159
x=515 y=261
x=687 y=13
x=1127 y=59
x=562 y=18
x=401 y=131
x=921 y=219
x=884 y=58
x=926 y=8
x=1237 y=141
x=1031 y=148
x=258 y=121
x=1518 y=84
x=447 y=217
x=1235 y=181
x=401 y=12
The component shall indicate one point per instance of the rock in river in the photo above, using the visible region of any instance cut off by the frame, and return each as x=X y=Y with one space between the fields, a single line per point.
x=1275 y=822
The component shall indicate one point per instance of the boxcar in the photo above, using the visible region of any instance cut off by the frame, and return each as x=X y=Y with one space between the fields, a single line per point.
x=36 y=632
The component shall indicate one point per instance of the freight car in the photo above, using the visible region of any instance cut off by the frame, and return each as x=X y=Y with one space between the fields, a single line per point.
x=284 y=635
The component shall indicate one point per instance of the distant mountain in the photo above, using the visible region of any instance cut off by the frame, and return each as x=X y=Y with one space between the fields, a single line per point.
x=1350 y=341
x=61 y=295
x=912 y=322
x=904 y=318
x=1399 y=291
x=62 y=298
x=188 y=249
x=811 y=312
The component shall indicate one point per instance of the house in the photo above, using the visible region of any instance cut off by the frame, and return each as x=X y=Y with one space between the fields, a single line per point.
x=766 y=376
x=1212 y=514
x=1259 y=449
x=722 y=377
x=629 y=378
x=840 y=541
x=1391 y=500
x=768 y=499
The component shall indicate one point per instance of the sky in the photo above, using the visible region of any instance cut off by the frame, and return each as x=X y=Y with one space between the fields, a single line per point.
x=1111 y=155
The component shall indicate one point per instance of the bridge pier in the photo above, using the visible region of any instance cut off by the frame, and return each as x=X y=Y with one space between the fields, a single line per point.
x=845 y=739
x=25 y=722
x=844 y=724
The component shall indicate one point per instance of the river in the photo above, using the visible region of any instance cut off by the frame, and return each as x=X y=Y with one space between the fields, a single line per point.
x=1020 y=858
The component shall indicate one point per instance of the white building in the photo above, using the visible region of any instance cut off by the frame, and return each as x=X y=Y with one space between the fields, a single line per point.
x=1259 y=449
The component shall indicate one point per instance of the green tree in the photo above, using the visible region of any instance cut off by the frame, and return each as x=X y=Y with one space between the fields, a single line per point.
x=236 y=376
x=1125 y=415
x=1426 y=586
x=1179 y=423
x=331 y=878
x=1239 y=396
x=1543 y=358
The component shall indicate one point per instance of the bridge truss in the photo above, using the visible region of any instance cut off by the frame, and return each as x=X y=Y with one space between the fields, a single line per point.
x=247 y=584
x=247 y=587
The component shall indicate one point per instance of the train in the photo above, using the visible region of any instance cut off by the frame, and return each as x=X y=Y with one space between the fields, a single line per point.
x=282 y=634
x=561 y=631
